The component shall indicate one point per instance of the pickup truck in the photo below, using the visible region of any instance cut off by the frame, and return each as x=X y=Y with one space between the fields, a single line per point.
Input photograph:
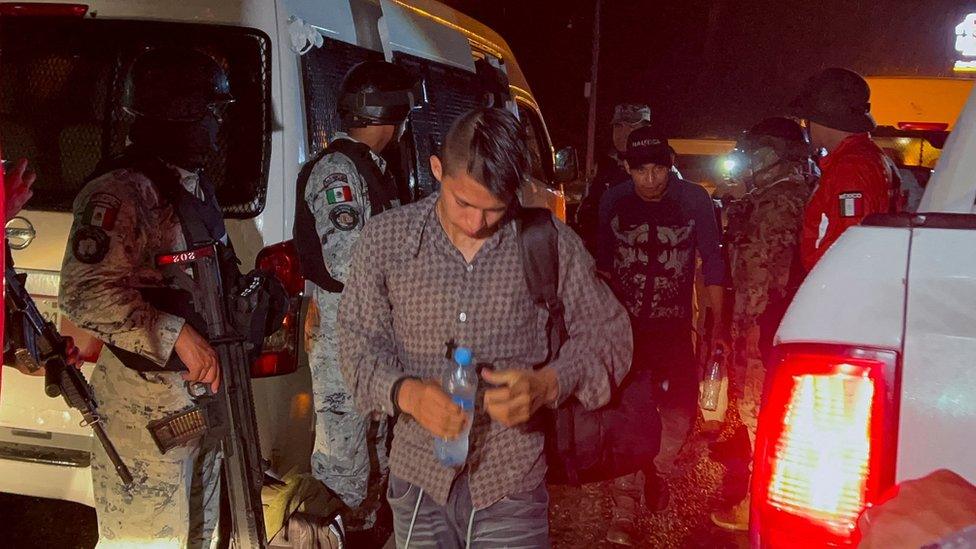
x=873 y=379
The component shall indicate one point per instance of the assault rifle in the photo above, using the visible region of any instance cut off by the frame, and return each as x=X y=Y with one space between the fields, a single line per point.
x=227 y=415
x=47 y=349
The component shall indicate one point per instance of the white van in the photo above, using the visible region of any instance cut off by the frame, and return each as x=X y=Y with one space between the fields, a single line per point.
x=62 y=68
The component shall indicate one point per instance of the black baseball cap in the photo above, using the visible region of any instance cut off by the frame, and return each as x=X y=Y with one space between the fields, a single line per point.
x=646 y=146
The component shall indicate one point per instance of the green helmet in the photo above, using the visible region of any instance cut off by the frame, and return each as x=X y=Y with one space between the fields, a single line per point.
x=768 y=144
x=838 y=99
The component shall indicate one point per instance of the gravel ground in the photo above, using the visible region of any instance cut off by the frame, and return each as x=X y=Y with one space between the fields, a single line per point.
x=29 y=523
x=579 y=516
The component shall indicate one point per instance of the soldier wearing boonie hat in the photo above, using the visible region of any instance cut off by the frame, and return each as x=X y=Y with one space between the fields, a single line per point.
x=627 y=117
x=631 y=114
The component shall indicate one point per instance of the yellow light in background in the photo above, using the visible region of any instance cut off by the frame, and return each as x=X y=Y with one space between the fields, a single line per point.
x=129 y=543
x=301 y=406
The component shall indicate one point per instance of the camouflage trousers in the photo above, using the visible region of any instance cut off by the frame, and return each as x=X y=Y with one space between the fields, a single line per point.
x=174 y=499
x=350 y=452
x=748 y=375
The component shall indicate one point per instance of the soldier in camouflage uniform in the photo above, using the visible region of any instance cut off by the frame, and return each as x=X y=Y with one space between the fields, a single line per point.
x=122 y=220
x=611 y=170
x=763 y=238
x=338 y=191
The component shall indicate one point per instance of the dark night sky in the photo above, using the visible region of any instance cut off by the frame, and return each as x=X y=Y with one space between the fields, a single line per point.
x=712 y=67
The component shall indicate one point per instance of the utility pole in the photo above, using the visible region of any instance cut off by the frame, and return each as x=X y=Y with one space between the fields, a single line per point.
x=591 y=88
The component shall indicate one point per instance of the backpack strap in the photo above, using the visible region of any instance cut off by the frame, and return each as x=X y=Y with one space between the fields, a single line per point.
x=539 y=247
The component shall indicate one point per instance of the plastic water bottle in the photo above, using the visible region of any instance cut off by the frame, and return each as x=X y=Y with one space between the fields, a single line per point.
x=461 y=384
x=712 y=383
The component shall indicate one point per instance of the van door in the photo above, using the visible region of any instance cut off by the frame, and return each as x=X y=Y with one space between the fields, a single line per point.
x=540 y=191
x=60 y=107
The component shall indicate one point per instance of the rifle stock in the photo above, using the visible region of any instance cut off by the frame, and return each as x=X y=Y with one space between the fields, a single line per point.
x=61 y=379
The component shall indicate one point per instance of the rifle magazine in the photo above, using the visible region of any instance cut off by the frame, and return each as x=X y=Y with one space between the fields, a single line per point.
x=179 y=428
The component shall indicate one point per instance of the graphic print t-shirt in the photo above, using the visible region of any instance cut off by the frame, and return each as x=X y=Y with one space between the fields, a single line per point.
x=653 y=258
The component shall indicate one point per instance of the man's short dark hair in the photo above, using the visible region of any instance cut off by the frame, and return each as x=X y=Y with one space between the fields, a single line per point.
x=489 y=145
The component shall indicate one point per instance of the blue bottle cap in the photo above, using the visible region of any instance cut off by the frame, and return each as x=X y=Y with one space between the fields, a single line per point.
x=462 y=355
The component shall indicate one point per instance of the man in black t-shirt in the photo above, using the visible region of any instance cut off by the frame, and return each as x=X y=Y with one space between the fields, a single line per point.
x=651 y=228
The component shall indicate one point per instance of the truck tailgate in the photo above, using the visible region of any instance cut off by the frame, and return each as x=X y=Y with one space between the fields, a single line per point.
x=938 y=397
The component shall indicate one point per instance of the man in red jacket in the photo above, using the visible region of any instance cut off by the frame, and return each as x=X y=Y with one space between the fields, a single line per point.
x=856 y=179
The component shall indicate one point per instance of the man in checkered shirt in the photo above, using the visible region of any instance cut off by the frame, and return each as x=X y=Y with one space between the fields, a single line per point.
x=448 y=269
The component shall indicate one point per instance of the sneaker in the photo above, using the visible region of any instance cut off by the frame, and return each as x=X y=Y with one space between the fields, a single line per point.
x=623 y=532
x=735 y=518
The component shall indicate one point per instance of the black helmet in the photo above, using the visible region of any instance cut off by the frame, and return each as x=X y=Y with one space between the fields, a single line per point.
x=836 y=98
x=376 y=93
x=768 y=143
x=175 y=84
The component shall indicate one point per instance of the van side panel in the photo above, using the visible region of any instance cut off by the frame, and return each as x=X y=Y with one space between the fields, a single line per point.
x=281 y=403
x=938 y=398
x=855 y=294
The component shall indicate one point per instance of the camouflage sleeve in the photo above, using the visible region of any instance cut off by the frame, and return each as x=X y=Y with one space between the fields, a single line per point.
x=106 y=256
x=779 y=237
x=336 y=196
x=780 y=229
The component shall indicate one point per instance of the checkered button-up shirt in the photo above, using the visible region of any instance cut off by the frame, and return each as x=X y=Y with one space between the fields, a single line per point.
x=410 y=291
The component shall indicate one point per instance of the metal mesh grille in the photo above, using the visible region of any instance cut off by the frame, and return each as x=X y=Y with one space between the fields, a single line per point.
x=323 y=70
x=450 y=93
x=60 y=102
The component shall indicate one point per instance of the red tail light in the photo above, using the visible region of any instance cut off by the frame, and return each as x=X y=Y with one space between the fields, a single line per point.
x=825 y=447
x=280 y=353
x=282 y=260
x=42 y=9
x=923 y=126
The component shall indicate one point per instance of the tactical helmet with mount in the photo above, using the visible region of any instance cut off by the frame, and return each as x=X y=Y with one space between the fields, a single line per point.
x=175 y=84
x=376 y=93
x=769 y=143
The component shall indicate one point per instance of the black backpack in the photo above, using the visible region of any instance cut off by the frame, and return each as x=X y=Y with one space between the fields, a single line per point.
x=581 y=445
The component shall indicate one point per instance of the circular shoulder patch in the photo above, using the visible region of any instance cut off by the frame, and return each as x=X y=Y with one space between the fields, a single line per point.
x=344 y=217
x=90 y=244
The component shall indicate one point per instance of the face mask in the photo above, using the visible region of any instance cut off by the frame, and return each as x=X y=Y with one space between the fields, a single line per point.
x=189 y=144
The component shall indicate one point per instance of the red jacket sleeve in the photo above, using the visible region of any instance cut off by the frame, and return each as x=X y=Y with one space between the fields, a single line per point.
x=849 y=190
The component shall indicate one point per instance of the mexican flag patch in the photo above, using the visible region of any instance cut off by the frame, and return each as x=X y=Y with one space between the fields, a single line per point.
x=338 y=195
x=851 y=204
x=102 y=210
